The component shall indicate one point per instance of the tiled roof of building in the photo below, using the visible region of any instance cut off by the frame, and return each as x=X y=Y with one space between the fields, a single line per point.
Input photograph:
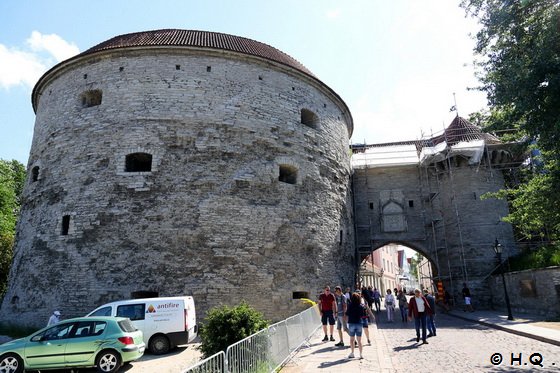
x=199 y=39
x=460 y=130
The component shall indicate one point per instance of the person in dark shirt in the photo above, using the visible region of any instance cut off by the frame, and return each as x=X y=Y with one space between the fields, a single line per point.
x=354 y=311
x=327 y=306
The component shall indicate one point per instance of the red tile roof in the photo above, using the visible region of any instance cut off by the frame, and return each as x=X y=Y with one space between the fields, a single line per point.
x=200 y=39
x=459 y=130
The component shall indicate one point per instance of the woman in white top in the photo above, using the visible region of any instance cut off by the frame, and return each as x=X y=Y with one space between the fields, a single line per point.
x=390 y=305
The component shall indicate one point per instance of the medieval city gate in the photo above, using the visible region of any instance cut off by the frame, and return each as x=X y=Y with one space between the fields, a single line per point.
x=425 y=194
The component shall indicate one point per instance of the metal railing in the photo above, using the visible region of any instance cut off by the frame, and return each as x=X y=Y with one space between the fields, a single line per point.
x=266 y=350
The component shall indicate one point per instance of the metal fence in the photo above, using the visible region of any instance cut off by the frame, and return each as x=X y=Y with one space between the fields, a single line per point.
x=266 y=350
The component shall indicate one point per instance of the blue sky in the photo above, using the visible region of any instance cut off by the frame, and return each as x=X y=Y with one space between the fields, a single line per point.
x=395 y=63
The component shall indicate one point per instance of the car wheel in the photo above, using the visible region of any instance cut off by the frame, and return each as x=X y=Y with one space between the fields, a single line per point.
x=108 y=361
x=11 y=363
x=159 y=344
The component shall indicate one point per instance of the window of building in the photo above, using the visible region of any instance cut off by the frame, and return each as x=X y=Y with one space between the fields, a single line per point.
x=65 y=225
x=288 y=174
x=35 y=173
x=300 y=295
x=138 y=162
x=309 y=118
x=91 y=98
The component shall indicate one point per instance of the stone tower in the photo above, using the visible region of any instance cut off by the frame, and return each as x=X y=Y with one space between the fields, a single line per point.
x=175 y=162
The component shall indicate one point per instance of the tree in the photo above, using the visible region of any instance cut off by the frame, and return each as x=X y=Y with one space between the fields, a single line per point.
x=519 y=64
x=12 y=178
x=518 y=49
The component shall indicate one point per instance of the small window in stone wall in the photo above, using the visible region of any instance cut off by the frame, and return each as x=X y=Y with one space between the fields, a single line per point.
x=35 y=173
x=309 y=118
x=138 y=162
x=91 y=98
x=65 y=225
x=300 y=295
x=139 y=294
x=288 y=174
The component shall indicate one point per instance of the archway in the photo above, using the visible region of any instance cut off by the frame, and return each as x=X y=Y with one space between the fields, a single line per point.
x=398 y=265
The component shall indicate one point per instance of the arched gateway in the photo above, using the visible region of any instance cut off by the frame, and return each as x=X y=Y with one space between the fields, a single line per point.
x=425 y=194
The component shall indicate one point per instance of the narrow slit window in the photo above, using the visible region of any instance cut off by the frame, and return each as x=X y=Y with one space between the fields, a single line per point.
x=138 y=162
x=288 y=174
x=91 y=98
x=35 y=173
x=65 y=225
x=309 y=118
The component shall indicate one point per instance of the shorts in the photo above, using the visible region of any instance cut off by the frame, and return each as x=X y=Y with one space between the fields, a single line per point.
x=340 y=323
x=355 y=330
x=467 y=300
x=365 y=322
x=327 y=315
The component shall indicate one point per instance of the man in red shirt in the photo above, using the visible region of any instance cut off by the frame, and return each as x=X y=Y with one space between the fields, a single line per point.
x=327 y=306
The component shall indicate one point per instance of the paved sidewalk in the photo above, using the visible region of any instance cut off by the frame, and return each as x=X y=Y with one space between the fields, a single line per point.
x=325 y=357
x=320 y=356
x=530 y=326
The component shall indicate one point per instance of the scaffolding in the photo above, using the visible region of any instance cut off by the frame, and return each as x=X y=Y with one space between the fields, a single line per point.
x=436 y=156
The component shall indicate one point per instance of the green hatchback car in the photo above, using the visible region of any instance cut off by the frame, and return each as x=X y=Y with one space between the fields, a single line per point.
x=102 y=342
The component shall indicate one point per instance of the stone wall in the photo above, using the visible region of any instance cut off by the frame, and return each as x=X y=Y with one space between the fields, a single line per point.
x=533 y=291
x=211 y=218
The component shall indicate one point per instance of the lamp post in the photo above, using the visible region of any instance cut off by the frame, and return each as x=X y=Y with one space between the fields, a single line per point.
x=498 y=249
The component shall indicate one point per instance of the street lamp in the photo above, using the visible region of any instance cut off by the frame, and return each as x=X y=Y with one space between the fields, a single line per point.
x=498 y=248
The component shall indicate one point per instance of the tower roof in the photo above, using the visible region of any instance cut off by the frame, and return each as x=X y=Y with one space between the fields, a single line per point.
x=202 y=39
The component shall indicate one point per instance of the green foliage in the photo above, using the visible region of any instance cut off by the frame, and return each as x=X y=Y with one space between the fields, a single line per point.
x=518 y=49
x=545 y=256
x=519 y=65
x=225 y=326
x=12 y=179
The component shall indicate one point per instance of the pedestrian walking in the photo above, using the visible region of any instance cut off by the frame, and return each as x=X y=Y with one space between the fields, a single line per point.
x=377 y=299
x=354 y=312
x=467 y=297
x=327 y=306
x=365 y=319
x=54 y=319
x=390 y=305
x=403 y=305
x=419 y=308
x=366 y=295
x=348 y=294
x=431 y=325
x=341 y=305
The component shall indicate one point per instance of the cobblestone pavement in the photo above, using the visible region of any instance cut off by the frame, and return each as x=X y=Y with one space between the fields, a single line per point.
x=463 y=346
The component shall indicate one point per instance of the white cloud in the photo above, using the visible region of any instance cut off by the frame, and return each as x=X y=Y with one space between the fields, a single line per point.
x=18 y=67
x=54 y=44
x=25 y=66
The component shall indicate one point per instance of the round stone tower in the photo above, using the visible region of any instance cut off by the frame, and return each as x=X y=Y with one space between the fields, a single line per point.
x=176 y=162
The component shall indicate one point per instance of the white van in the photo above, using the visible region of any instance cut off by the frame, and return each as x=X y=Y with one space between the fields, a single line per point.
x=165 y=322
